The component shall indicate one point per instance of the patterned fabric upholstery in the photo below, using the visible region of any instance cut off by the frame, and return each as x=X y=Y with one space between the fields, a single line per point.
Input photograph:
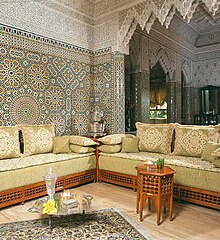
x=155 y=137
x=189 y=162
x=9 y=142
x=38 y=138
x=39 y=159
x=191 y=140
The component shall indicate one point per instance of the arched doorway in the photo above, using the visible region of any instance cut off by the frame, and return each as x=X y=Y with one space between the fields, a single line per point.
x=158 y=95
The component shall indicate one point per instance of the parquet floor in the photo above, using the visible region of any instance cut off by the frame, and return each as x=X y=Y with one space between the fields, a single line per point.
x=191 y=222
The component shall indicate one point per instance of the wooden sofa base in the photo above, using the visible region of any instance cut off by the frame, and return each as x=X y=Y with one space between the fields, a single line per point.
x=24 y=193
x=189 y=194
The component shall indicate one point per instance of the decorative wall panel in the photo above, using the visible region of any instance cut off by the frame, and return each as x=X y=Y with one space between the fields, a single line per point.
x=43 y=80
x=206 y=72
x=49 y=18
x=103 y=87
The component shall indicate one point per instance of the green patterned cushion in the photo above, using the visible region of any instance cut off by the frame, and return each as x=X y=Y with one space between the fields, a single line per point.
x=155 y=137
x=9 y=142
x=82 y=141
x=81 y=149
x=210 y=147
x=38 y=138
x=113 y=148
x=191 y=140
x=130 y=145
x=61 y=144
x=114 y=138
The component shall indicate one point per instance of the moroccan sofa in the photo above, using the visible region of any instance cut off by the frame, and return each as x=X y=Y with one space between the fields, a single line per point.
x=73 y=158
x=192 y=151
x=21 y=174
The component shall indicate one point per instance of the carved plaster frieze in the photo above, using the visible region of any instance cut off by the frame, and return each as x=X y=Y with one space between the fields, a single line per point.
x=80 y=10
x=163 y=56
x=83 y=7
x=38 y=18
x=105 y=33
x=192 y=10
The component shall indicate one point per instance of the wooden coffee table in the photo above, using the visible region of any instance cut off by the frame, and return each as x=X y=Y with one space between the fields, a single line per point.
x=155 y=185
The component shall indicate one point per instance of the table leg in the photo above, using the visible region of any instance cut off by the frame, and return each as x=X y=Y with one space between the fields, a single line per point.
x=165 y=206
x=137 y=202
x=141 y=207
x=171 y=207
x=149 y=204
x=158 y=209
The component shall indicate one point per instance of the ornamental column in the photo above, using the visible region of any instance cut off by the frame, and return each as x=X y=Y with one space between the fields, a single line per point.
x=119 y=94
x=171 y=105
x=142 y=96
x=188 y=105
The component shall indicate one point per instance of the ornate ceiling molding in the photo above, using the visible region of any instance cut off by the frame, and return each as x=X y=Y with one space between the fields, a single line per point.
x=163 y=10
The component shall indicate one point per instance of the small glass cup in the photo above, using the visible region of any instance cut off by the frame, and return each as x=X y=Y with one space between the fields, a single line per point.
x=149 y=165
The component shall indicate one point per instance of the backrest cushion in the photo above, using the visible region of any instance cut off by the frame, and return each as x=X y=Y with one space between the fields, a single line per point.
x=110 y=148
x=113 y=139
x=9 y=142
x=38 y=138
x=155 y=137
x=191 y=140
x=61 y=144
x=82 y=141
x=130 y=145
x=208 y=151
x=81 y=149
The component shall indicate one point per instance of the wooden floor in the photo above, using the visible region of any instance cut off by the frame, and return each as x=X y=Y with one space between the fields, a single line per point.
x=190 y=221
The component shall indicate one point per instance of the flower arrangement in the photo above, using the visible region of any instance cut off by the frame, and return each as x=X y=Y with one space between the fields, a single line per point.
x=49 y=207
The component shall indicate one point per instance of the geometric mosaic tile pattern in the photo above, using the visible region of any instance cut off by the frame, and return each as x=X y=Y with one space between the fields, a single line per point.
x=119 y=91
x=43 y=80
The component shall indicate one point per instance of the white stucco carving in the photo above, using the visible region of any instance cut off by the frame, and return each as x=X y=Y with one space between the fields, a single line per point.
x=163 y=13
x=164 y=59
x=96 y=24
x=186 y=68
x=38 y=18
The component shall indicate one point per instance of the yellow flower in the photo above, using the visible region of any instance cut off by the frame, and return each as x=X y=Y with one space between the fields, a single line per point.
x=49 y=207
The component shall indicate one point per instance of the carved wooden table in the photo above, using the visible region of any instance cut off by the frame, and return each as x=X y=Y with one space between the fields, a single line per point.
x=156 y=185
